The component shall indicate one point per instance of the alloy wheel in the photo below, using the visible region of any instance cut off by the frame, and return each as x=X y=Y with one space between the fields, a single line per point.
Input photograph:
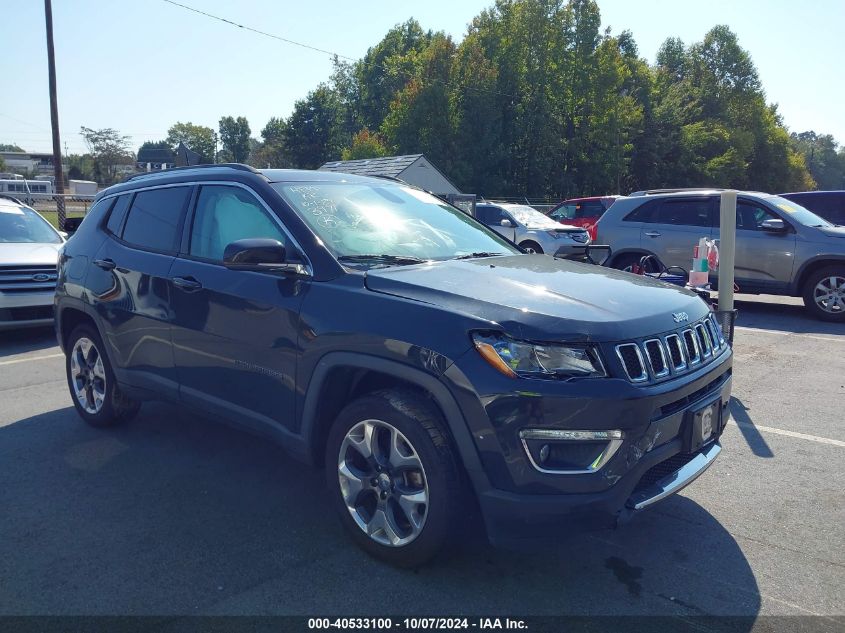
x=88 y=375
x=383 y=483
x=829 y=294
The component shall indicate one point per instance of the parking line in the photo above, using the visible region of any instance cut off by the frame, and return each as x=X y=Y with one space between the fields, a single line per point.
x=32 y=358
x=800 y=436
x=746 y=328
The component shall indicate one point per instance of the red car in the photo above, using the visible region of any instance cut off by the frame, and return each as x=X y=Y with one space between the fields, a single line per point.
x=582 y=212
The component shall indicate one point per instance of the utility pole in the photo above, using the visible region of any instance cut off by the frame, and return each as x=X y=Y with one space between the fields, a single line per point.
x=54 y=117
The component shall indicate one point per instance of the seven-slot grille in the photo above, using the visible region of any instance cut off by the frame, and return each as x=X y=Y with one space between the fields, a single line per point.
x=672 y=353
x=35 y=278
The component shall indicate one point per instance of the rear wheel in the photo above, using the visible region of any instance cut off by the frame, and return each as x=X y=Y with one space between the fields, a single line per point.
x=92 y=384
x=394 y=477
x=824 y=294
x=532 y=247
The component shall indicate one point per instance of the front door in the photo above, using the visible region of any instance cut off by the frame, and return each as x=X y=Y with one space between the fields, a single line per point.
x=492 y=216
x=764 y=260
x=235 y=333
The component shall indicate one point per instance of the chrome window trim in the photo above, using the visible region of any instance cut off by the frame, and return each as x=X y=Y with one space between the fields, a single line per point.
x=642 y=377
x=228 y=183
x=683 y=364
x=665 y=371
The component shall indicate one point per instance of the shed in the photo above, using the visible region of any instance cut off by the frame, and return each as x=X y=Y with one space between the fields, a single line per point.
x=415 y=169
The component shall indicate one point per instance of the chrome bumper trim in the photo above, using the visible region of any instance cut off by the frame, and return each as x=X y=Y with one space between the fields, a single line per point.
x=671 y=484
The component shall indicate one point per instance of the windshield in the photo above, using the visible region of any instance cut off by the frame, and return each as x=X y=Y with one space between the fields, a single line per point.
x=21 y=225
x=530 y=217
x=797 y=212
x=388 y=220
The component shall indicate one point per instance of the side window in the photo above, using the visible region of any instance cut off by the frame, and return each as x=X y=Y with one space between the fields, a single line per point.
x=685 y=212
x=750 y=216
x=589 y=210
x=644 y=213
x=566 y=212
x=491 y=216
x=118 y=212
x=225 y=215
x=154 y=218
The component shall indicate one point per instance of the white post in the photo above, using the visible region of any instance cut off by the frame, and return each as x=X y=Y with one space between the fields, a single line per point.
x=727 y=249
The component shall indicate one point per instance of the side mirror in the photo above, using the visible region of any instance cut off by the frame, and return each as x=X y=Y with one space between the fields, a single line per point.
x=260 y=255
x=506 y=223
x=774 y=225
x=64 y=234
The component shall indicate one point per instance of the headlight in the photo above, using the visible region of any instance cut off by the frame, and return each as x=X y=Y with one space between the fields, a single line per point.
x=538 y=360
x=556 y=234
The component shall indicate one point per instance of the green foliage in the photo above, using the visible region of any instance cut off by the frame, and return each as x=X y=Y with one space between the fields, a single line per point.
x=234 y=135
x=537 y=100
x=109 y=150
x=80 y=167
x=365 y=144
x=10 y=147
x=197 y=138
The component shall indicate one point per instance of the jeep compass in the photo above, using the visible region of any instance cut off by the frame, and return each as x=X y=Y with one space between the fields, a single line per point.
x=430 y=366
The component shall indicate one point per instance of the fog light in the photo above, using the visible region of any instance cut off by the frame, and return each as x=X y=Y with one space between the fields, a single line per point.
x=563 y=451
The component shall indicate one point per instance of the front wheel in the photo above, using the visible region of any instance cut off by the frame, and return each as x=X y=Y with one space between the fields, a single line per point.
x=824 y=294
x=532 y=247
x=394 y=477
x=91 y=381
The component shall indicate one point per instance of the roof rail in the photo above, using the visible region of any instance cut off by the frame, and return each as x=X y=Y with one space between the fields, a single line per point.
x=651 y=192
x=238 y=166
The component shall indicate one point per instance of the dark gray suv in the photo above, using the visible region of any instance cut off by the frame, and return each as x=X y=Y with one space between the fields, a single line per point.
x=781 y=247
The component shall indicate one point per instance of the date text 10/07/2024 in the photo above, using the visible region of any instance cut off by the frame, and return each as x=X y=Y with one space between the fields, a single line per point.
x=417 y=624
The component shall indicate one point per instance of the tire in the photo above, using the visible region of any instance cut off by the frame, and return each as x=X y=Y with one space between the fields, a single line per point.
x=627 y=261
x=423 y=462
x=91 y=381
x=830 y=282
x=532 y=247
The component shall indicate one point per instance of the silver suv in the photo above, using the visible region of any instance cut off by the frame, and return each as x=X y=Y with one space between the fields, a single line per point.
x=781 y=247
x=533 y=231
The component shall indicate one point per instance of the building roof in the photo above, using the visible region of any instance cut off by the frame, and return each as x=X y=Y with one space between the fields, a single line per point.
x=390 y=166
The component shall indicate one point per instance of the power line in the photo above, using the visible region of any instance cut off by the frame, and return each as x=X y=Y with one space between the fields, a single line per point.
x=317 y=49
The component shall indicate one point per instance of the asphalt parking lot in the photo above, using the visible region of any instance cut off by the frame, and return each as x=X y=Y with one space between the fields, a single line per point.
x=175 y=515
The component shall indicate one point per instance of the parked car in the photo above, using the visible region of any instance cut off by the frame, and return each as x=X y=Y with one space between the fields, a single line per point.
x=427 y=363
x=781 y=247
x=29 y=247
x=583 y=212
x=532 y=230
x=829 y=205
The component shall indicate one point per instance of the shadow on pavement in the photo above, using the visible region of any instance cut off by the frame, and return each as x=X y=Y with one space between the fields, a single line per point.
x=175 y=515
x=782 y=314
x=26 y=340
x=756 y=442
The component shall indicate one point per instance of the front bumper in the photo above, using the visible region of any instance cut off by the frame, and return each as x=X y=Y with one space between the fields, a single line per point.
x=31 y=309
x=657 y=457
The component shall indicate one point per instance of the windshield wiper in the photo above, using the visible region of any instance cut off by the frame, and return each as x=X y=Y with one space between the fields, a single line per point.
x=388 y=260
x=479 y=254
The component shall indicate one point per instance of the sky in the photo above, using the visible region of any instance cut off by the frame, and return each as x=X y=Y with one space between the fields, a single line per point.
x=139 y=66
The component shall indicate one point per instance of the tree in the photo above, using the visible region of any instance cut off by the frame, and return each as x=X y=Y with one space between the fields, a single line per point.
x=2 y=164
x=365 y=144
x=198 y=138
x=234 y=135
x=109 y=150
x=826 y=165
x=10 y=147
x=314 y=131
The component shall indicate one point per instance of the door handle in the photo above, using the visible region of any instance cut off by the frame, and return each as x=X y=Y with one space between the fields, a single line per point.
x=653 y=233
x=188 y=284
x=105 y=264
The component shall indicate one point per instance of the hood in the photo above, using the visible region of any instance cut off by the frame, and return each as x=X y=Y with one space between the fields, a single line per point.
x=832 y=231
x=538 y=297
x=28 y=253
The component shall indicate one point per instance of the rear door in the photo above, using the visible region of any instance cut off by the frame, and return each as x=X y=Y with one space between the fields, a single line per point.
x=235 y=333
x=130 y=286
x=673 y=226
x=764 y=260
